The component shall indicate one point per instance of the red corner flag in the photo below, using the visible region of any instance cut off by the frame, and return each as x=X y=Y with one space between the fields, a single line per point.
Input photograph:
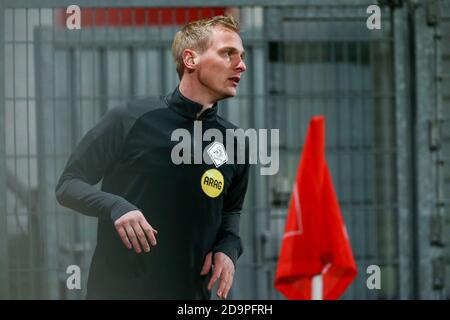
x=315 y=238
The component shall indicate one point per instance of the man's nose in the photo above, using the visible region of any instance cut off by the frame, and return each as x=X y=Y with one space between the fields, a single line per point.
x=241 y=66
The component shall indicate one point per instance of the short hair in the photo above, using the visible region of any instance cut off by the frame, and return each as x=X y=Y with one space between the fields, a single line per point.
x=196 y=36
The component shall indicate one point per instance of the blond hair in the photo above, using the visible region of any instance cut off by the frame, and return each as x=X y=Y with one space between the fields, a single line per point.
x=196 y=36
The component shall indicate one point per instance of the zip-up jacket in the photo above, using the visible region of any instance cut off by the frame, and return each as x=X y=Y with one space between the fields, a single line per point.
x=195 y=207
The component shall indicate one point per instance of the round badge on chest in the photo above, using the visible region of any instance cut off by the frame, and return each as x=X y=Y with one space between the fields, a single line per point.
x=212 y=183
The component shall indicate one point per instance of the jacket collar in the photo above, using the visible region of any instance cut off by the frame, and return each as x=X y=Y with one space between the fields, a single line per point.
x=188 y=108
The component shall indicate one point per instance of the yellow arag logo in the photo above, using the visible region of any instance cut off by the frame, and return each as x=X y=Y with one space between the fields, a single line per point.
x=212 y=183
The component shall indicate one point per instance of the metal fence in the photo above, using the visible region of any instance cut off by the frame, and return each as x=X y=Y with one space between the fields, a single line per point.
x=443 y=104
x=384 y=94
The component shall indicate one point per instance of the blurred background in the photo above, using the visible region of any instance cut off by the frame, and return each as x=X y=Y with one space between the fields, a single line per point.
x=384 y=92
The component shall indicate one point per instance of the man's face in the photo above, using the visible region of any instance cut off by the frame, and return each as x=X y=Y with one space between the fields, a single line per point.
x=220 y=66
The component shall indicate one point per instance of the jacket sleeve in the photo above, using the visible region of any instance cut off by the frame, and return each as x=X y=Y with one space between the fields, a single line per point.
x=228 y=240
x=90 y=161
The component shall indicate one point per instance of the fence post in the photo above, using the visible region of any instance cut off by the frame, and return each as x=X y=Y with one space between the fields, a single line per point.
x=427 y=145
x=4 y=261
x=404 y=151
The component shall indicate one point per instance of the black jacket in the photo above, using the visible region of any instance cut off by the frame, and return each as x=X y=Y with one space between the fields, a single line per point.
x=130 y=149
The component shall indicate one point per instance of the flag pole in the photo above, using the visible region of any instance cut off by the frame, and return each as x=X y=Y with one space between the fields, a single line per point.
x=317 y=287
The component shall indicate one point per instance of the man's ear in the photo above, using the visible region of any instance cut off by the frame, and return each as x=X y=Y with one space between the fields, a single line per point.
x=190 y=59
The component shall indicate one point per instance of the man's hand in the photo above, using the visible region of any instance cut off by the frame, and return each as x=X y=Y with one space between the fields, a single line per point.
x=134 y=229
x=223 y=269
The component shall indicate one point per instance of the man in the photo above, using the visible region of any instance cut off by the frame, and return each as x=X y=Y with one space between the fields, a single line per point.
x=181 y=220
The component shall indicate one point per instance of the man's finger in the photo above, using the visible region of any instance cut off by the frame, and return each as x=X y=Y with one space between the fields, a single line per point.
x=133 y=238
x=215 y=276
x=123 y=236
x=224 y=284
x=207 y=264
x=141 y=236
x=228 y=287
x=149 y=232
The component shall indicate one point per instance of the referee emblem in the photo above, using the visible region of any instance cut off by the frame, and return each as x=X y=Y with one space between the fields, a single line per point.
x=217 y=153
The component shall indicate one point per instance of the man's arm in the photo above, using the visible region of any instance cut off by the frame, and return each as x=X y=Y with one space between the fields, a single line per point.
x=96 y=154
x=228 y=247
x=228 y=240
x=92 y=158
